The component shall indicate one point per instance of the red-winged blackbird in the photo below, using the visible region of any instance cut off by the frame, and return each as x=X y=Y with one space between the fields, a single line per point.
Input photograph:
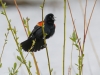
x=37 y=34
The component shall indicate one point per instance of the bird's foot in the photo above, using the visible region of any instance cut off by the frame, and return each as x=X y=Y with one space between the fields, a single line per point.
x=45 y=45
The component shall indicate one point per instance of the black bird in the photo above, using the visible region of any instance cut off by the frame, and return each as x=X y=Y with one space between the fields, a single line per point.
x=37 y=34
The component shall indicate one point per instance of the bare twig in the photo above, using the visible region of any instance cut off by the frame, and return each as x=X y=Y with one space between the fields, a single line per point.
x=6 y=35
x=20 y=16
x=27 y=36
x=90 y=18
x=84 y=24
x=44 y=38
x=64 y=45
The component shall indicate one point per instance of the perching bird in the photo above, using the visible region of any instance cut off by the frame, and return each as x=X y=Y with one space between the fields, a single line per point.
x=37 y=34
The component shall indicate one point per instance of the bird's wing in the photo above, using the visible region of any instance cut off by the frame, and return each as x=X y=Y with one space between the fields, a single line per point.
x=37 y=27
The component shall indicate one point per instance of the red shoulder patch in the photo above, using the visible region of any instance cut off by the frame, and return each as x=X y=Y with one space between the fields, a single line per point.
x=40 y=23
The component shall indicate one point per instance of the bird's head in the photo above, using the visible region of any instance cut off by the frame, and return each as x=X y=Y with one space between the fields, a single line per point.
x=49 y=19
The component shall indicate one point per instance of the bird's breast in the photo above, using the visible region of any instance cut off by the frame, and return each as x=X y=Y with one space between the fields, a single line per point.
x=49 y=30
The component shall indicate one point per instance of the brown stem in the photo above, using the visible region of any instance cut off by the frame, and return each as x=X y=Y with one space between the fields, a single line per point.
x=27 y=36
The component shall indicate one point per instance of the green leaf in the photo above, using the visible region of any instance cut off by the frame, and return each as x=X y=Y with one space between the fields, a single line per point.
x=41 y=6
x=0 y=65
x=17 y=38
x=19 y=58
x=24 y=21
x=77 y=46
x=10 y=71
x=14 y=30
x=5 y=35
x=29 y=64
x=8 y=29
x=72 y=39
x=76 y=73
x=45 y=34
x=2 y=12
x=82 y=55
x=51 y=70
x=28 y=19
x=4 y=5
x=74 y=36
x=10 y=20
x=76 y=64
x=16 y=72
x=15 y=66
x=5 y=42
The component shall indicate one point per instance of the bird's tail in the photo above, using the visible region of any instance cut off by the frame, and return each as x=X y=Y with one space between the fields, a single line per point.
x=26 y=45
x=39 y=44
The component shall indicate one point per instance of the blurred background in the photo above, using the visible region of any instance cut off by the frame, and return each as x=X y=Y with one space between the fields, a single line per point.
x=32 y=10
x=30 y=2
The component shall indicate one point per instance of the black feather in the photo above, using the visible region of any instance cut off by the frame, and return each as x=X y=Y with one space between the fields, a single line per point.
x=39 y=43
x=26 y=45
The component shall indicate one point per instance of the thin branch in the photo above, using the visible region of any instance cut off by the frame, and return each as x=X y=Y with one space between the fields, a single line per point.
x=84 y=24
x=44 y=37
x=64 y=45
x=37 y=69
x=20 y=16
x=71 y=58
x=6 y=35
x=90 y=18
